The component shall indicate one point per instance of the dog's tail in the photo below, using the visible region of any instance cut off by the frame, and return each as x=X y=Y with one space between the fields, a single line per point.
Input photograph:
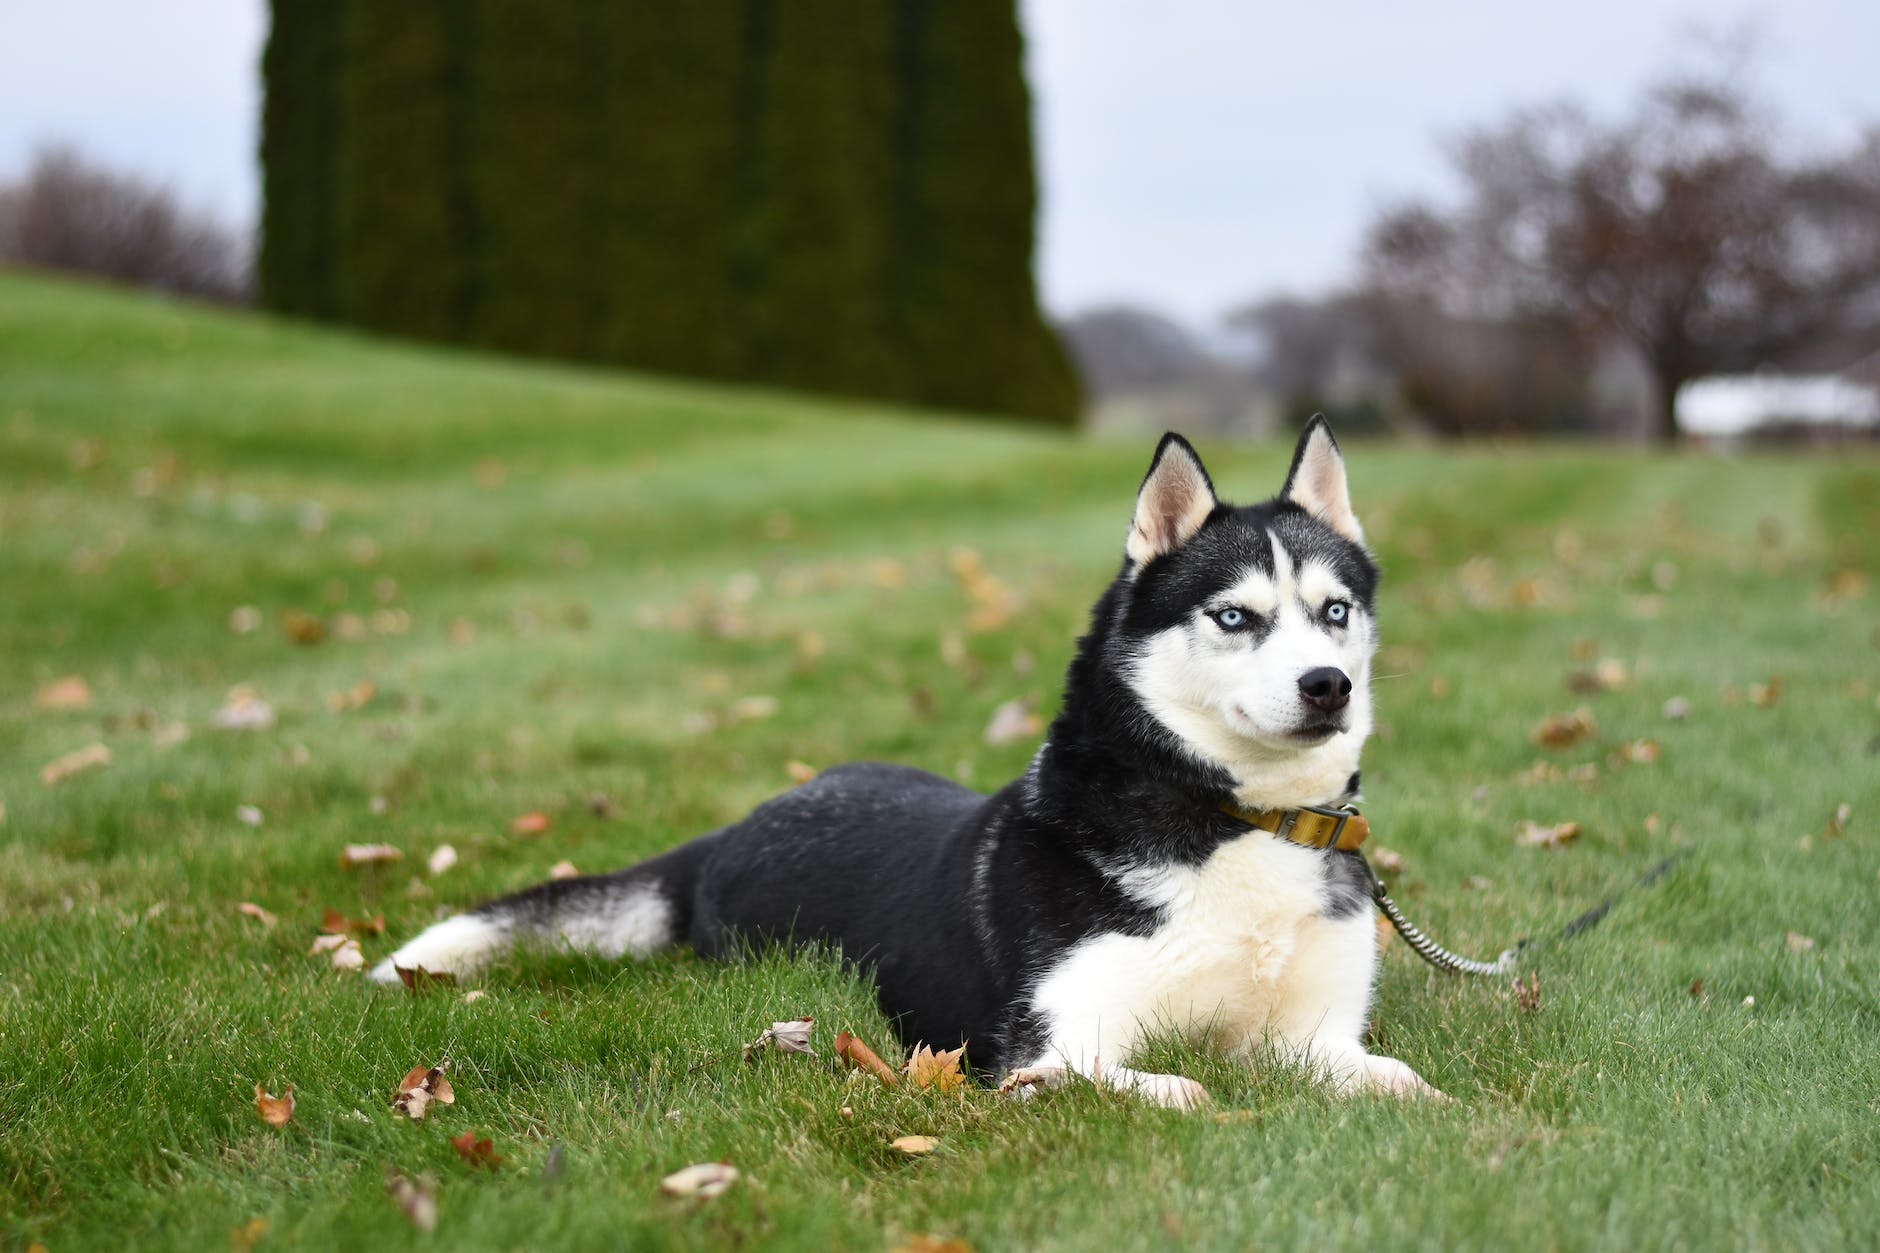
x=630 y=913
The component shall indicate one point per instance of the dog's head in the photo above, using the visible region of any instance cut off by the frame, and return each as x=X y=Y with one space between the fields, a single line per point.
x=1247 y=632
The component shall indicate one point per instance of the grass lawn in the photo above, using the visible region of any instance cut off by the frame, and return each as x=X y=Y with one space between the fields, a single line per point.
x=563 y=585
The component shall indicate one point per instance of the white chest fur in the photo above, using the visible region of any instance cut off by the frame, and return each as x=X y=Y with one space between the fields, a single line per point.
x=1244 y=954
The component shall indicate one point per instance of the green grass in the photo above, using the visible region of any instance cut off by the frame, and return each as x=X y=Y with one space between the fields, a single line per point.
x=594 y=565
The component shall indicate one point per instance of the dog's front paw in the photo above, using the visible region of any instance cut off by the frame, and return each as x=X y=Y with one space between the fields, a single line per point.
x=1391 y=1077
x=1168 y=1091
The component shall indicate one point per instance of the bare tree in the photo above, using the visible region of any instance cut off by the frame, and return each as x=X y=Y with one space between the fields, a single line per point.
x=1680 y=228
x=69 y=214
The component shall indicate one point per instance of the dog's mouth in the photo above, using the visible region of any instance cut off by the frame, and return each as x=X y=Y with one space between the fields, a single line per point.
x=1307 y=734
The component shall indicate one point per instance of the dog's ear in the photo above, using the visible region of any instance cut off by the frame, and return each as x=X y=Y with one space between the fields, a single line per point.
x=1176 y=498
x=1316 y=482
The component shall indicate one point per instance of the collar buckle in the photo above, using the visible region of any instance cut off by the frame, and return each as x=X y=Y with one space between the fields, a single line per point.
x=1339 y=815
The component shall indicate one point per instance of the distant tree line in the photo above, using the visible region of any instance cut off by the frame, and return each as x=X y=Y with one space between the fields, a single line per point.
x=819 y=193
x=70 y=213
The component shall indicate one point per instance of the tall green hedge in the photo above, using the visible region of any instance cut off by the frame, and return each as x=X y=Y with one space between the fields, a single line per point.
x=832 y=194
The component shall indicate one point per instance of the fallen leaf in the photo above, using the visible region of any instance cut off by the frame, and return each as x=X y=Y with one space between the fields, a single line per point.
x=563 y=870
x=418 y=979
x=1697 y=987
x=535 y=823
x=244 y=619
x=274 y=1110
x=339 y=924
x=421 y=1088
x=90 y=757
x=934 y=1244
x=860 y=1057
x=1638 y=752
x=248 y=1235
x=1387 y=862
x=1534 y=835
x=1609 y=675
x=1677 y=709
x=1766 y=695
x=303 y=628
x=443 y=858
x=259 y=914
x=941 y=1071
x=913 y=1146
x=368 y=854
x=602 y=807
x=799 y=772
x=705 y=1180
x=355 y=697
x=754 y=709
x=1837 y=825
x=474 y=995
x=64 y=695
x=1527 y=996
x=418 y=1200
x=243 y=710
x=1799 y=943
x=344 y=951
x=476 y=1152
x=784 y=1037
x=1012 y=722
x=249 y=815
x=1565 y=730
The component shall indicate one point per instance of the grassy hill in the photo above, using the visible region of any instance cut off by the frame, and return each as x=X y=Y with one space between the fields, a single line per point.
x=469 y=590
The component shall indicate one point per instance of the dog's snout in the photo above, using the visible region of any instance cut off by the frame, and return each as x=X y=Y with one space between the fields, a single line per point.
x=1326 y=687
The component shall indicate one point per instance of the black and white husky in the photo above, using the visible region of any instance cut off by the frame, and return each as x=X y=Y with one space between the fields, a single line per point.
x=1121 y=887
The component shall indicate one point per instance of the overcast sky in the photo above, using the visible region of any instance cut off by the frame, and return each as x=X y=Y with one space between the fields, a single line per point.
x=1194 y=153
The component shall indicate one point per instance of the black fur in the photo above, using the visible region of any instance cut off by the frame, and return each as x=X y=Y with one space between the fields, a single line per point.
x=958 y=902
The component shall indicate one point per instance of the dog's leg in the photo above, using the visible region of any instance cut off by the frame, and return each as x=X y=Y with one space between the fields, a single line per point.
x=1168 y=1091
x=1324 y=1007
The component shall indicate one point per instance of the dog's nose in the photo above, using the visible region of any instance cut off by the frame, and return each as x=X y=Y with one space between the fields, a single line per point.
x=1326 y=687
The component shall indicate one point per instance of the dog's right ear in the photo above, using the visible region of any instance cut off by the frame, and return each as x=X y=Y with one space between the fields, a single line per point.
x=1176 y=498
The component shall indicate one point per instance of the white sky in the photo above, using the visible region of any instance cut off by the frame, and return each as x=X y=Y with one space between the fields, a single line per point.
x=1194 y=153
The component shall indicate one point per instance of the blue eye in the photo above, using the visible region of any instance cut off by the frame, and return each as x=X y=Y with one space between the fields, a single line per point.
x=1229 y=619
x=1337 y=613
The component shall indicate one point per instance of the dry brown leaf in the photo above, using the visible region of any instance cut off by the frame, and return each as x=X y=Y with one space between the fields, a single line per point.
x=357 y=696
x=303 y=628
x=421 y=1088
x=243 y=710
x=1638 y=752
x=1565 y=730
x=1799 y=943
x=443 y=858
x=90 y=757
x=563 y=869
x=800 y=772
x=532 y=823
x=418 y=1199
x=248 y=1235
x=369 y=855
x=1527 y=996
x=1013 y=722
x=1534 y=835
x=859 y=1056
x=705 y=1180
x=474 y=995
x=274 y=1110
x=418 y=979
x=344 y=951
x=259 y=914
x=476 y=1152
x=1837 y=825
x=784 y=1037
x=64 y=695
x=1766 y=695
x=1608 y=675
x=339 y=924
x=914 y=1146
x=940 y=1071
x=935 y=1244
x=1385 y=861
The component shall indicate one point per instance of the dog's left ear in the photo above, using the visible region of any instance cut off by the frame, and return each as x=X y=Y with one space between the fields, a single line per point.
x=1316 y=482
x=1176 y=498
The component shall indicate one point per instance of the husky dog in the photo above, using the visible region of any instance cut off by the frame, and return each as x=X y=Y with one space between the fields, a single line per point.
x=1147 y=873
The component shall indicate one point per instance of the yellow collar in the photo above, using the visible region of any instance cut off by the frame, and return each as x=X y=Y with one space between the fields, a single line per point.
x=1314 y=826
